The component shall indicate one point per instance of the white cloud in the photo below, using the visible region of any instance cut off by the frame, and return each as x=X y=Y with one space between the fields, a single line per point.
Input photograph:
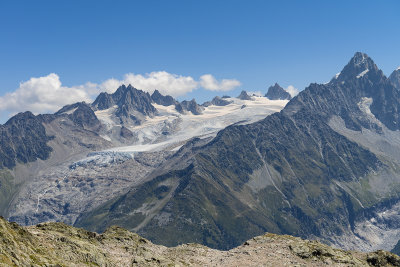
x=169 y=84
x=292 y=90
x=165 y=82
x=47 y=94
x=44 y=94
x=208 y=82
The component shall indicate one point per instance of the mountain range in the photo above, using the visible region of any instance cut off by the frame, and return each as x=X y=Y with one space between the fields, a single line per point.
x=322 y=165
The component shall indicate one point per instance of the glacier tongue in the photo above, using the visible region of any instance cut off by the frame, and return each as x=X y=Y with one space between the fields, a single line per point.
x=170 y=128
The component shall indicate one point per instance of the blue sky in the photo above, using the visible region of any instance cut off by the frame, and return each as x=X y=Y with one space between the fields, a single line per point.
x=254 y=42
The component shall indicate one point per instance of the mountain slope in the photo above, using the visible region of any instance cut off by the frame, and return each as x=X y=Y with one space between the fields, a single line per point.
x=62 y=245
x=23 y=139
x=395 y=78
x=289 y=173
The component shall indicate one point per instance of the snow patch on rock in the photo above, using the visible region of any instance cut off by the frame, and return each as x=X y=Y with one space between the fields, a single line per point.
x=362 y=73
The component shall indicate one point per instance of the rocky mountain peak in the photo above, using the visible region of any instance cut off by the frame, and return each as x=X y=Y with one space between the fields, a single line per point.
x=160 y=99
x=130 y=95
x=276 y=92
x=191 y=106
x=20 y=118
x=360 y=94
x=218 y=101
x=244 y=96
x=360 y=65
x=81 y=114
x=132 y=104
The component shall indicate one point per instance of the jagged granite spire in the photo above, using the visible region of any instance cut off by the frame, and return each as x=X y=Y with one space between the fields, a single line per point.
x=276 y=92
x=132 y=104
x=191 y=106
x=244 y=96
x=359 y=66
x=160 y=99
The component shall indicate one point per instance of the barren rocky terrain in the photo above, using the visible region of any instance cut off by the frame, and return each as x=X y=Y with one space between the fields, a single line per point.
x=57 y=244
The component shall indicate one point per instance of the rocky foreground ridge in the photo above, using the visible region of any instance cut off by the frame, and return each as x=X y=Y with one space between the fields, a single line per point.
x=57 y=244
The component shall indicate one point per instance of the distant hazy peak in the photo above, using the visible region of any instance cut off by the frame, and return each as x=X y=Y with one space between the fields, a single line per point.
x=191 y=106
x=244 y=96
x=276 y=92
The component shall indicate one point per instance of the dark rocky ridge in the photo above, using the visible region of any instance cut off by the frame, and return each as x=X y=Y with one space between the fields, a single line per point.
x=343 y=95
x=276 y=92
x=217 y=101
x=82 y=115
x=160 y=99
x=282 y=174
x=23 y=139
x=131 y=103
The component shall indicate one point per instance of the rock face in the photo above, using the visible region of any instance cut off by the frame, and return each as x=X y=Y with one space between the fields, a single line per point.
x=158 y=98
x=289 y=173
x=81 y=114
x=276 y=92
x=23 y=139
x=132 y=104
x=360 y=87
x=244 y=96
x=395 y=78
x=57 y=244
